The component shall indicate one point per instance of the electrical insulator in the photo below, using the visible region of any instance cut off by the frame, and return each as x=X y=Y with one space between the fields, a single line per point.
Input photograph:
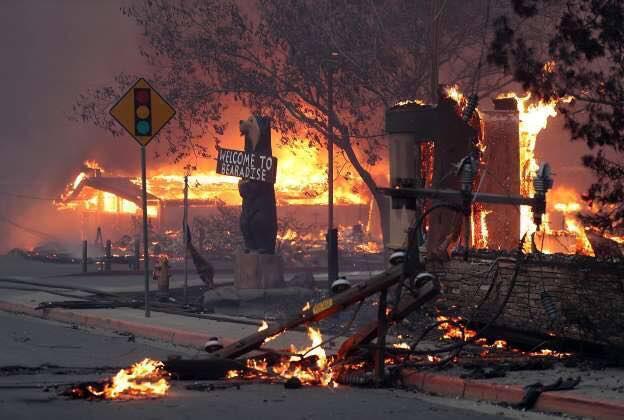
x=466 y=170
x=543 y=181
x=550 y=307
x=356 y=378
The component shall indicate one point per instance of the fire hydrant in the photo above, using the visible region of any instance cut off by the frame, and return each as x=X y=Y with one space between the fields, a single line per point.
x=162 y=276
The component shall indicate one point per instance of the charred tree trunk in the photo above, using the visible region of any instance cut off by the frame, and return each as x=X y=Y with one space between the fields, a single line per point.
x=380 y=199
x=452 y=143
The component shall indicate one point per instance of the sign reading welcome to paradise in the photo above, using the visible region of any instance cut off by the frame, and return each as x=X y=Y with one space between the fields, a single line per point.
x=253 y=166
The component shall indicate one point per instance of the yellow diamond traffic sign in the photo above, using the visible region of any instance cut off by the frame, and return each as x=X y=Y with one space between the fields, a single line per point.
x=142 y=112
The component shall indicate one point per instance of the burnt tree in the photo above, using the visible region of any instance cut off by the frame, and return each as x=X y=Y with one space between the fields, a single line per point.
x=582 y=58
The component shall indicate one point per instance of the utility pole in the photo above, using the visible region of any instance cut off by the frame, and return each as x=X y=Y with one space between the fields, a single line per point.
x=435 y=18
x=185 y=235
x=332 y=233
x=145 y=230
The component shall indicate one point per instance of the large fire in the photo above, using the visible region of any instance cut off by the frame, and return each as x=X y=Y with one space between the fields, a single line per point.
x=146 y=379
x=302 y=180
x=533 y=118
x=309 y=365
x=479 y=230
x=453 y=328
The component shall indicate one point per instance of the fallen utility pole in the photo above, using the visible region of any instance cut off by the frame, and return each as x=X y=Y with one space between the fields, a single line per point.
x=406 y=306
x=327 y=307
x=315 y=313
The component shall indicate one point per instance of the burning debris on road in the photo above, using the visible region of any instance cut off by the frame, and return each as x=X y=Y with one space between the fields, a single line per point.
x=144 y=379
x=310 y=365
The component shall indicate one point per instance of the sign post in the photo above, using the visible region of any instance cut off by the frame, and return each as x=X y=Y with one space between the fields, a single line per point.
x=145 y=230
x=143 y=112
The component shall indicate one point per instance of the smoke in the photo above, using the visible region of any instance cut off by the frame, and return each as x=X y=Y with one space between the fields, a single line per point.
x=51 y=52
x=555 y=147
x=54 y=50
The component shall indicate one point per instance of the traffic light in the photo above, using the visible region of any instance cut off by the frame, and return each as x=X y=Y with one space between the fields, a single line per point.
x=142 y=112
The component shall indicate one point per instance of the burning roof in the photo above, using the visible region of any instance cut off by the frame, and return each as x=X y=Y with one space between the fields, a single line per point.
x=122 y=187
x=301 y=180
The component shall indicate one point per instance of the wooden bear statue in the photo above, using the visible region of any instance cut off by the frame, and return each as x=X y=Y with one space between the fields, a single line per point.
x=258 y=220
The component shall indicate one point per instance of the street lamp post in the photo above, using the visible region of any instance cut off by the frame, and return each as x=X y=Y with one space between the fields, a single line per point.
x=332 y=233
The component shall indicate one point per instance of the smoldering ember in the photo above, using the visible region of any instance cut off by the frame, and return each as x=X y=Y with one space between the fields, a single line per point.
x=312 y=208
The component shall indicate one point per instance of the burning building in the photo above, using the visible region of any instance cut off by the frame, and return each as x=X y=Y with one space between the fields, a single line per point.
x=425 y=143
x=505 y=135
x=112 y=199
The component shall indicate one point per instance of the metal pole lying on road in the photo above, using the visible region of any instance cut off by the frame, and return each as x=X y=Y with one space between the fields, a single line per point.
x=145 y=239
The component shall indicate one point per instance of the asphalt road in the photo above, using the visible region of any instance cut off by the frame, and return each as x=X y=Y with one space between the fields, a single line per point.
x=32 y=343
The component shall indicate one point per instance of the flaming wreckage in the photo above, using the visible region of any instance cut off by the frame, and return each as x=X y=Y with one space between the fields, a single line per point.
x=456 y=194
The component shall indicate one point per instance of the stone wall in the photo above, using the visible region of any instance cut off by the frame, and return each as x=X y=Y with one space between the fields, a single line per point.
x=587 y=295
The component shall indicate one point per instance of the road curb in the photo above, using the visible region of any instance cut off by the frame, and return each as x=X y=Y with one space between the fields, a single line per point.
x=169 y=335
x=444 y=385
x=553 y=402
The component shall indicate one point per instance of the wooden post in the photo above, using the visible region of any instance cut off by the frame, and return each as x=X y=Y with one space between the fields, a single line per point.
x=184 y=231
x=108 y=256
x=382 y=323
x=84 y=256
x=435 y=16
x=137 y=254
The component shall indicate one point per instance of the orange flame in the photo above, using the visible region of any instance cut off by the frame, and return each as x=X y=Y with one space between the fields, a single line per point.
x=451 y=331
x=301 y=180
x=533 y=119
x=401 y=346
x=320 y=374
x=550 y=353
x=479 y=230
x=92 y=164
x=146 y=378
x=265 y=326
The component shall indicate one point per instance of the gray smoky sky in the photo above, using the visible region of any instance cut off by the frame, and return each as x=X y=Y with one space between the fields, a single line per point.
x=51 y=51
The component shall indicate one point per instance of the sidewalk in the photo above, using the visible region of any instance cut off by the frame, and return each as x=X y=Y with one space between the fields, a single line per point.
x=174 y=329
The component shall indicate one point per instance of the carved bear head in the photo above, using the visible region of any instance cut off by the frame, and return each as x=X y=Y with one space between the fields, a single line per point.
x=257 y=132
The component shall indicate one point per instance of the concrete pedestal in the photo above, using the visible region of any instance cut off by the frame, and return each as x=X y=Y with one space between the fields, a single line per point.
x=258 y=271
